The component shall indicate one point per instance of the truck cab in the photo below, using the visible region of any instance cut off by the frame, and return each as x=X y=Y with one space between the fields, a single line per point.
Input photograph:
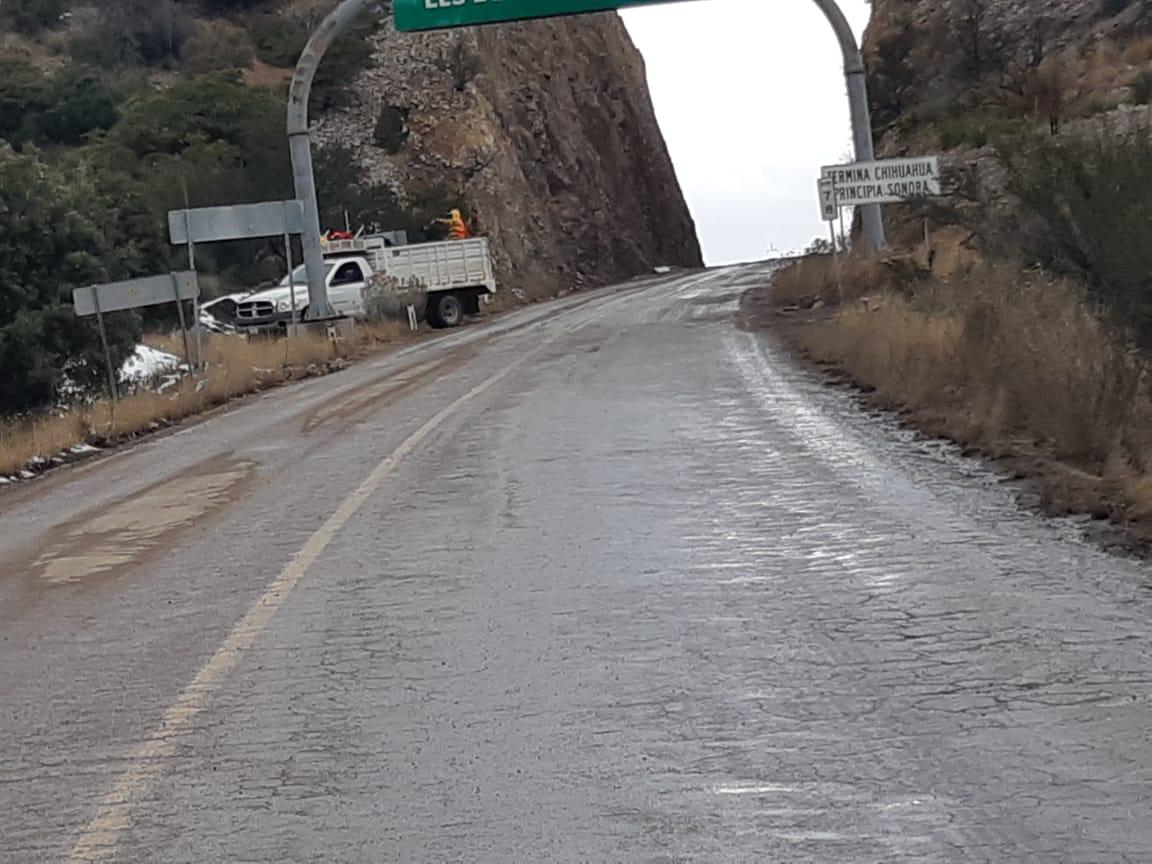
x=345 y=278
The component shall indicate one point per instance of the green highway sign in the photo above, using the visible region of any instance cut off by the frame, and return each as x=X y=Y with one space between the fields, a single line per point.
x=440 y=14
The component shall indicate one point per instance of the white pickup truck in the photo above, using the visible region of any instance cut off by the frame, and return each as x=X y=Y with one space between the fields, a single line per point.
x=456 y=274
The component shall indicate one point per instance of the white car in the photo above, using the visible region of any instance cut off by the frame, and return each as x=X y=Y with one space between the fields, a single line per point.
x=219 y=315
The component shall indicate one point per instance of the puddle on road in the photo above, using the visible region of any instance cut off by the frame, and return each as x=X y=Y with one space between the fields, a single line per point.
x=128 y=531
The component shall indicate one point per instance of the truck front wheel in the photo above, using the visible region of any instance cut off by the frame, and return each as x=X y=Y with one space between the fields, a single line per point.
x=446 y=311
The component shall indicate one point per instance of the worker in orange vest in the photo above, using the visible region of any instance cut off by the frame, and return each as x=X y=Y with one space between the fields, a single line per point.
x=457 y=227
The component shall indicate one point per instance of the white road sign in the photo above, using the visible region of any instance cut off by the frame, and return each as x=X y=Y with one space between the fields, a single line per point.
x=828 y=208
x=239 y=222
x=149 y=291
x=885 y=182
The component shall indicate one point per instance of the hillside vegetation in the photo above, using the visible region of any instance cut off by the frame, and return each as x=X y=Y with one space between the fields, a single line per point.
x=113 y=112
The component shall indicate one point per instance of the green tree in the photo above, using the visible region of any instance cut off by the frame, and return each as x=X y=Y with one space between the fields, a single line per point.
x=341 y=189
x=24 y=94
x=132 y=32
x=893 y=77
x=280 y=39
x=57 y=110
x=78 y=103
x=214 y=139
x=32 y=16
x=53 y=239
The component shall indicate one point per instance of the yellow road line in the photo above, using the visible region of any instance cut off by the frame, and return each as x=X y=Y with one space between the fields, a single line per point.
x=100 y=840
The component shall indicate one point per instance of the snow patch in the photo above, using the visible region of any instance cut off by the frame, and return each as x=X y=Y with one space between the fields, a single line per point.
x=146 y=364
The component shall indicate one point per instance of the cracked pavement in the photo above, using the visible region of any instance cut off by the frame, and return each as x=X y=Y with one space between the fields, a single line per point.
x=654 y=594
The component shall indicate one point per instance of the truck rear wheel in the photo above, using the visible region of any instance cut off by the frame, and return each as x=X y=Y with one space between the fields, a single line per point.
x=445 y=311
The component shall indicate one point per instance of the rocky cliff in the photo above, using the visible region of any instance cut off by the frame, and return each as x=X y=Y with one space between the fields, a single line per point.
x=973 y=79
x=544 y=130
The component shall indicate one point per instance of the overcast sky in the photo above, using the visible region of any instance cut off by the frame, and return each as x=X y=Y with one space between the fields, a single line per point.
x=751 y=99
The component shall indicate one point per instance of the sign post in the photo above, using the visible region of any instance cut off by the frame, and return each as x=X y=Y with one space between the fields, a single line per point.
x=196 y=302
x=291 y=280
x=107 y=351
x=828 y=208
x=183 y=322
x=133 y=294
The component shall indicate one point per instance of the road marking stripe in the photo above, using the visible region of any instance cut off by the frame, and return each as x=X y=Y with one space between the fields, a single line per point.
x=100 y=840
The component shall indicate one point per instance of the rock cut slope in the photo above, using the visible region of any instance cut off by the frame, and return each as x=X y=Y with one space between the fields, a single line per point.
x=548 y=131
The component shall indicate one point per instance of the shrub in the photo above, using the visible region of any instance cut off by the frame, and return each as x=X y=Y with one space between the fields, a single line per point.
x=214 y=139
x=976 y=130
x=32 y=16
x=341 y=189
x=347 y=57
x=79 y=103
x=1091 y=207
x=837 y=279
x=892 y=77
x=998 y=352
x=217 y=46
x=460 y=61
x=214 y=110
x=23 y=96
x=391 y=131
x=60 y=110
x=132 y=32
x=387 y=298
x=1142 y=87
x=279 y=39
x=51 y=241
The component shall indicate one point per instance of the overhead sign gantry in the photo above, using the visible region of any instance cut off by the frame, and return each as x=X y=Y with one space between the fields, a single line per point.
x=442 y=14
x=413 y=15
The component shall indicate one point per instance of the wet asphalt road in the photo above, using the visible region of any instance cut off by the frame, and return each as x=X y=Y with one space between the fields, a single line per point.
x=609 y=580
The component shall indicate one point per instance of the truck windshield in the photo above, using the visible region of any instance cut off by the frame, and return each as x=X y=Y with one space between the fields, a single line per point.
x=300 y=275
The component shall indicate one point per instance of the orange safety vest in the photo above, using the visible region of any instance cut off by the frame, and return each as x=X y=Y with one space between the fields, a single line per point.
x=457 y=228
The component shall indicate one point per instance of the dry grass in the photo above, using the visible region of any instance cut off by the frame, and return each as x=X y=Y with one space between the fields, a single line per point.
x=373 y=334
x=999 y=357
x=172 y=343
x=837 y=279
x=891 y=347
x=1094 y=72
x=1137 y=490
x=1139 y=51
x=235 y=367
x=23 y=441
